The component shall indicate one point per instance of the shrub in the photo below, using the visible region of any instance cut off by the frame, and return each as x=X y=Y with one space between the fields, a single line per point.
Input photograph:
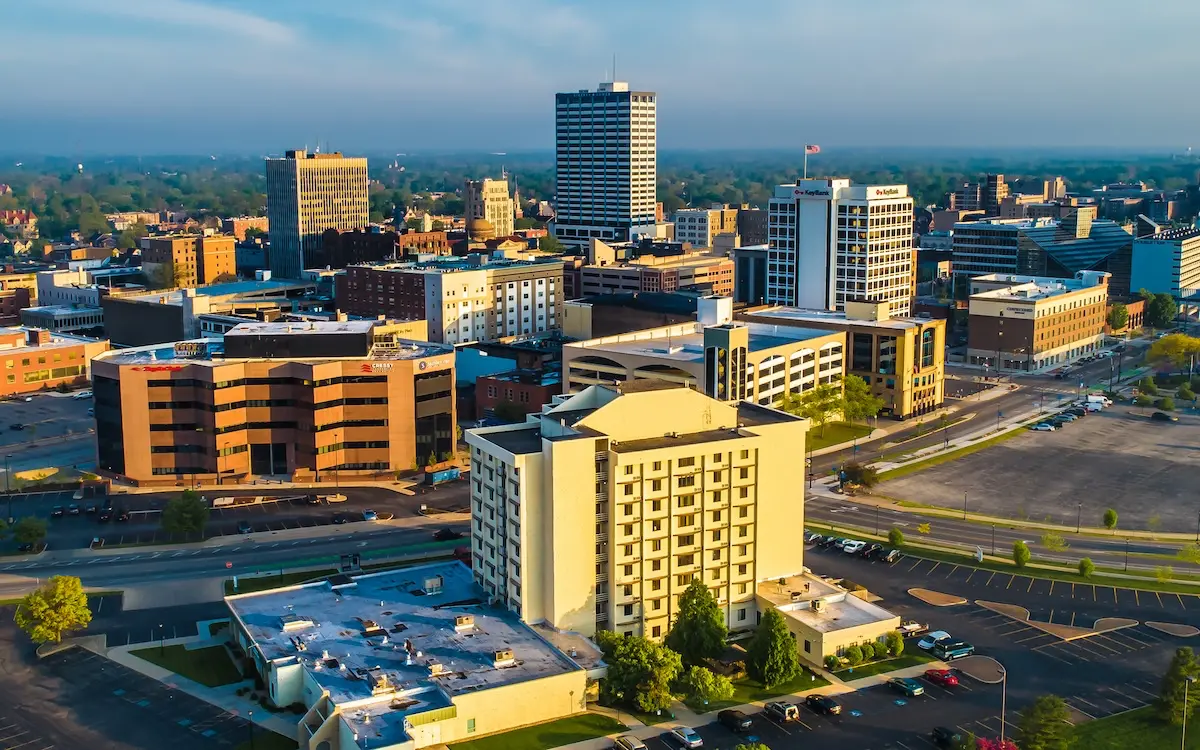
x=1086 y=567
x=853 y=655
x=880 y=648
x=1147 y=386
x=1166 y=403
x=1185 y=394
x=831 y=662
x=896 y=537
x=1143 y=401
x=1020 y=554
x=895 y=643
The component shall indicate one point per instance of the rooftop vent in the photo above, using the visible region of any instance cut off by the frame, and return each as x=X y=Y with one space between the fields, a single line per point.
x=503 y=658
x=433 y=585
x=292 y=622
x=380 y=684
x=436 y=669
x=464 y=622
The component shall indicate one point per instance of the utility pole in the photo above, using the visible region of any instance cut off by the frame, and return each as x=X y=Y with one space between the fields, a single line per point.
x=964 y=505
x=1079 y=518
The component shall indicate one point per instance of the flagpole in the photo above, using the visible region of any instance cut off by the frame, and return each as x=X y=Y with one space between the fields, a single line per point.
x=806 y=161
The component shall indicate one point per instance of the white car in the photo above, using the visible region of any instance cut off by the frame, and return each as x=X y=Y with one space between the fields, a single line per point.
x=82 y=395
x=853 y=547
x=628 y=742
x=684 y=737
x=929 y=641
x=1042 y=427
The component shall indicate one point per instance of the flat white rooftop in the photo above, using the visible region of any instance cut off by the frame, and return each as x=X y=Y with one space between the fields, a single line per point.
x=804 y=315
x=255 y=328
x=401 y=642
x=685 y=342
x=820 y=605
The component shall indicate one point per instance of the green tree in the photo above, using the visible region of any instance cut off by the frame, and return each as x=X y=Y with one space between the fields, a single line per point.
x=1118 y=316
x=699 y=631
x=640 y=672
x=700 y=684
x=1189 y=553
x=895 y=537
x=880 y=649
x=1086 y=567
x=56 y=607
x=1110 y=519
x=1045 y=725
x=29 y=530
x=818 y=405
x=508 y=411
x=186 y=514
x=858 y=403
x=1020 y=553
x=1174 y=349
x=772 y=657
x=1185 y=393
x=1163 y=573
x=253 y=233
x=550 y=244
x=751 y=746
x=1166 y=403
x=853 y=656
x=1053 y=542
x=863 y=476
x=1161 y=310
x=895 y=642
x=1147 y=386
x=1143 y=401
x=1170 y=705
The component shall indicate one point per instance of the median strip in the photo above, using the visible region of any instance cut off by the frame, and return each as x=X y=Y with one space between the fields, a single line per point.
x=1065 y=632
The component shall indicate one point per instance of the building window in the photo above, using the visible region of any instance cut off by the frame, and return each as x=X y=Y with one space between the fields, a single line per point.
x=807 y=647
x=628 y=571
x=628 y=489
x=470 y=725
x=627 y=610
x=741 y=614
x=656 y=631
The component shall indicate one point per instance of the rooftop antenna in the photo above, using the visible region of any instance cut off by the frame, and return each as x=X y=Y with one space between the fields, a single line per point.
x=614 y=67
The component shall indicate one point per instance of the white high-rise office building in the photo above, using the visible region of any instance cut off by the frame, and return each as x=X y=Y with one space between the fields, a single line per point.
x=831 y=241
x=606 y=164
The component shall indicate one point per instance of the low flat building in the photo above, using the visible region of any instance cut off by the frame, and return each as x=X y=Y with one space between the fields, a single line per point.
x=407 y=659
x=33 y=359
x=238 y=226
x=64 y=318
x=527 y=390
x=700 y=225
x=825 y=619
x=726 y=360
x=1027 y=323
x=12 y=302
x=902 y=358
x=702 y=271
x=299 y=400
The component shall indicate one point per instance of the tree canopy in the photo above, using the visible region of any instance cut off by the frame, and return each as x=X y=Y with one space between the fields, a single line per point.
x=1161 y=308
x=1171 y=706
x=186 y=514
x=772 y=657
x=1175 y=349
x=1045 y=725
x=699 y=630
x=858 y=403
x=58 y=606
x=29 y=530
x=640 y=672
x=818 y=405
x=1118 y=316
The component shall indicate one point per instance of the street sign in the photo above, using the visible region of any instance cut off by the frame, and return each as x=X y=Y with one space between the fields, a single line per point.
x=228 y=565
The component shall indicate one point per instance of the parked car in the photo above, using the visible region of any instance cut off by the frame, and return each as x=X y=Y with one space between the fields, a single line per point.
x=90 y=508
x=26 y=547
x=683 y=737
x=929 y=641
x=1162 y=416
x=56 y=511
x=812 y=537
x=871 y=551
x=312 y=499
x=1065 y=417
x=912 y=628
x=946 y=737
x=906 y=686
x=82 y=395
x=823 y=704
x=245 y=527
x=734 y=720
x=949 y=650
x=370 y=515
x=943 y=677
x=339 y=518
x=628 y=742
x=840 y=542
x=73 y=509
x=827 y=541
x=122 y=516
x=892 y=556
x=16 y=426
x=91 y=412
x=445 y=535
x=1042 y=427
x=782 y=711
x=105 y=515
x=853 y=546
x=1077 y=411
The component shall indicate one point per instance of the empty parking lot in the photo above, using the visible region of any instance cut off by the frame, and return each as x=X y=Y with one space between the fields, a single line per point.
x=1117 y=458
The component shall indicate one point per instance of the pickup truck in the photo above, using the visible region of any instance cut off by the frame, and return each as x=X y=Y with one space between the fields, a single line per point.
x=912 y=628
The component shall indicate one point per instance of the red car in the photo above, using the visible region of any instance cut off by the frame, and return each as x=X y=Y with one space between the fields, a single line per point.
x=943 y=677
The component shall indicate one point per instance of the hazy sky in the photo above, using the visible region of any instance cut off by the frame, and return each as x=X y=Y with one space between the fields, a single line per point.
x=192 y=76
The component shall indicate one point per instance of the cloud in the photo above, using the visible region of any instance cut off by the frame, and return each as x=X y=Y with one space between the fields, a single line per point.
x=190 y=14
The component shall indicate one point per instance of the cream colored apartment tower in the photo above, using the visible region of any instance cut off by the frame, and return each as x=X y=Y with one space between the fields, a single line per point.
x=489 y=199
x=597 y=513
x=307 y=194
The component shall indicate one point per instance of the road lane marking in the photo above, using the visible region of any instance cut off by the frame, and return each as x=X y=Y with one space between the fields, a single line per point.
x=1031 y=580
x=989 y=583
x=1051 y=589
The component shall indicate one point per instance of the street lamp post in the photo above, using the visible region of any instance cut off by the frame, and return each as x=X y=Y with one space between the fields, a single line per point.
x=964 y=505
x=876 y=520
x=162 y=641
x=1183 y=730
x=1003 y=701
x=1079 y=517
x=1126 y=555
x=993 y=539
x=7 y=488
x=250 y=716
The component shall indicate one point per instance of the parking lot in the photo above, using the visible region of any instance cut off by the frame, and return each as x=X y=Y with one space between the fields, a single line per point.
x=1117 y=458
x=278 y=509
x=55 y=431
x=1098 y=674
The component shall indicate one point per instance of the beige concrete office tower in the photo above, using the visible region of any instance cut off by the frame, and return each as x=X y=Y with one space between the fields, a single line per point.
x=598 y=513
x=307 y=194
x=489 y=199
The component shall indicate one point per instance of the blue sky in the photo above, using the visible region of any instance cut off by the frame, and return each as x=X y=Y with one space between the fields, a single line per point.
x=193 y=76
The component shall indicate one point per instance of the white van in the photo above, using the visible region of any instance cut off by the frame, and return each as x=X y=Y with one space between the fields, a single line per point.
x=1099 y=398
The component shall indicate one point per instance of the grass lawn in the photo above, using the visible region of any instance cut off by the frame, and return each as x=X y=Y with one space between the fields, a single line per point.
x=834 y=433
x=907 y=659
x=1139 y=728
x=267 y=740
x=747 y=690
x=208 y=666
x=550 y=734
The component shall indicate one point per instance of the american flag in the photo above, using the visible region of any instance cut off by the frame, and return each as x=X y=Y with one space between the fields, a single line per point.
x=812 y=148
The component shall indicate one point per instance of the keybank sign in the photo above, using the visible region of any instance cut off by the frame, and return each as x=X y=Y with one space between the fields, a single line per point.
x=887 y=192
x=811 y=193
